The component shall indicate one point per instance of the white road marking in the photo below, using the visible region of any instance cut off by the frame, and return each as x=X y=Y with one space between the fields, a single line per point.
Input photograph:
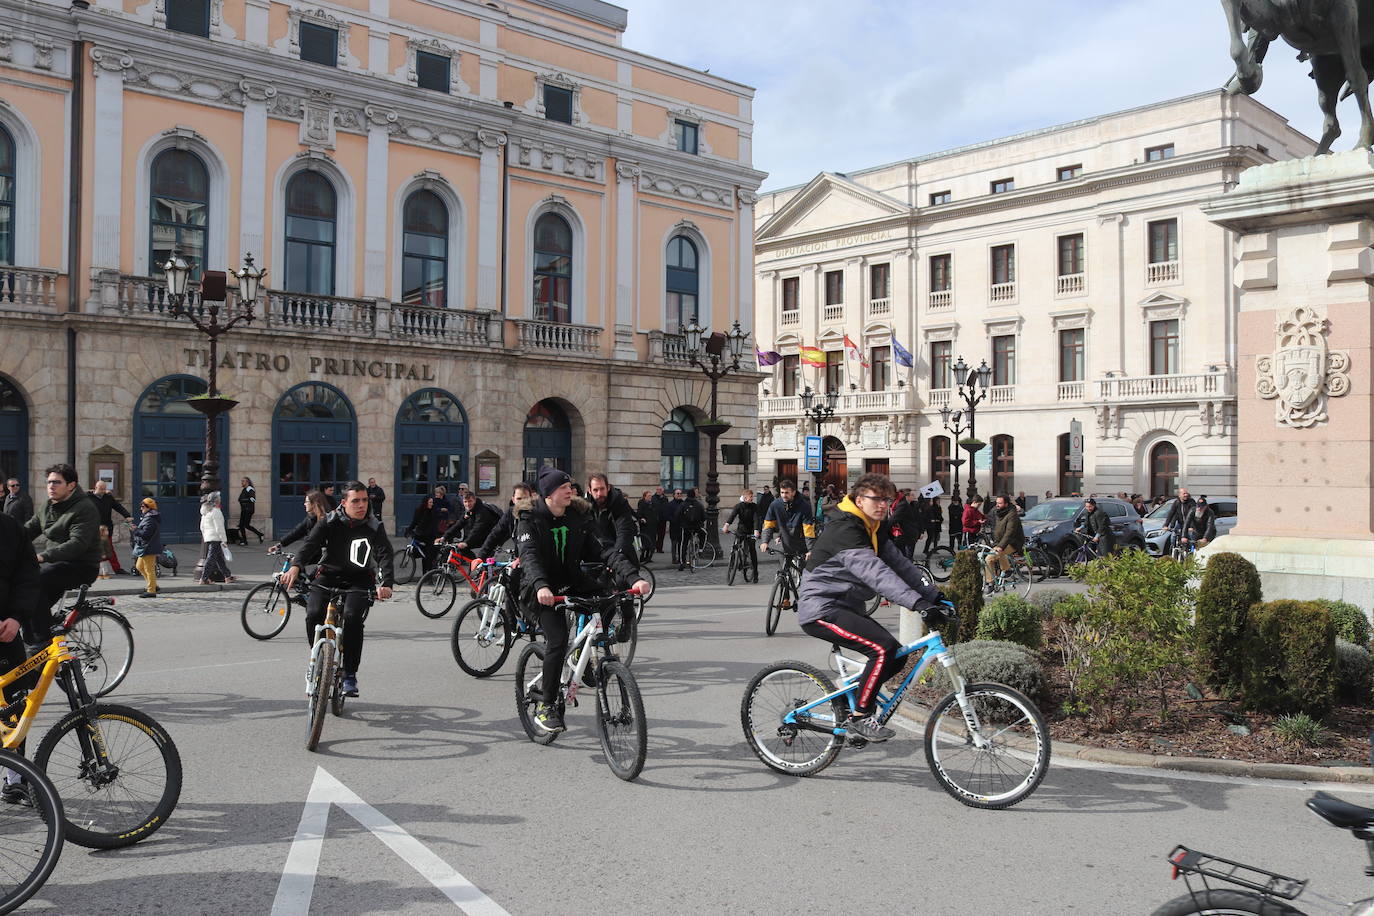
x=260 y=661
x=303 y=861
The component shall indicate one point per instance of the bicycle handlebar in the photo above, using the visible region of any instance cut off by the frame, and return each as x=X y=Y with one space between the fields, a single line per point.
x=597 y=601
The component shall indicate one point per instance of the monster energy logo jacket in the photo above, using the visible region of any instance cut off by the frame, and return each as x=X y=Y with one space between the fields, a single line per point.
x=349 y=552
x=552 y=549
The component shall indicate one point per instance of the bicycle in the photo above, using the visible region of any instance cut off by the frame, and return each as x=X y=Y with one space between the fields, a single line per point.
x=940 y=562
x=785 y=593
x=744 y=559
x=30 y=834
x=267 y=608
x=697 y=550
x=487 y=627
x=410 y=558
x=986 y=744
x=102 y=639
x=324 y=675
x=115 y=768
x=437 y=590
x=1082 y=550
x=871 y=606
x=1265 y=893
x=1017 y=577
x=620 y=722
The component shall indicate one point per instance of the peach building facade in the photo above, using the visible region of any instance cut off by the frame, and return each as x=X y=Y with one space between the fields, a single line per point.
x=484 y=224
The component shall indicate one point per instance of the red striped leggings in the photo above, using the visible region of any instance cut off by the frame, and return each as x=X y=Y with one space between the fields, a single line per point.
x=872 y=640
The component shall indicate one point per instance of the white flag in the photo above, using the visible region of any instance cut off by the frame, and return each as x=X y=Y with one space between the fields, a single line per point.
x=932 y=490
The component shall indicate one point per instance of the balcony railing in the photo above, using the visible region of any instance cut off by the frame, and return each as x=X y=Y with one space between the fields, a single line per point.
x=1070 y=284
x=791 y=318
x=1163 y=272
x=304 y=312
x=879 y=308
x=786 y=405
x=28 y=288
x=566 y=339
x=675 y=349
x=939 y=397
x=1002 y=292
x=833 y=313
x=139 y=297
x=1070 y=391
x=853 y=402
x=427 y=324
x=941 y=299
x=1165 y=387
x=1001 y=394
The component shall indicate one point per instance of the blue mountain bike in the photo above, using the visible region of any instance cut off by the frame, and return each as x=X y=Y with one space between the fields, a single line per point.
x=986 y=744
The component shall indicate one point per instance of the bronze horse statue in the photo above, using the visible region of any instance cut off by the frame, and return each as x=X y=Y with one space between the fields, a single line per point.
x=1337 y=36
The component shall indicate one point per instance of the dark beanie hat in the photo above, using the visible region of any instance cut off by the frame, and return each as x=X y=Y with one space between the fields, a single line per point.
x=550 y=479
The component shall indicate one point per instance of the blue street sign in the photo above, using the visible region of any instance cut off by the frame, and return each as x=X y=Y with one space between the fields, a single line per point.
x=813 y=454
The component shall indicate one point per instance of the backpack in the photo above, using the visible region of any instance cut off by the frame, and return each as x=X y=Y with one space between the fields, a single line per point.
x=167 y=560
x=693 y=514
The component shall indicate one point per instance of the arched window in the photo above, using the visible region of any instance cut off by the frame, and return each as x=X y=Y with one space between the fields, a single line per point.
x=680 y=452
x=314 y=443
x=1070 y=478
x=553 y=269
x=431 y=448
x=179 y=210
x=548 y=439
x=7 y=169
x=939 y=461
x=424 y=265
x=14 y=433
x=1003 y=465
x=1163 y=469
x=169 y=442
x=311 y=215
x=683 y=282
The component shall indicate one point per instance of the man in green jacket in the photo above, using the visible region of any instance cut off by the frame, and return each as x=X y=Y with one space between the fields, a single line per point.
x=1008 y=537
x=70 y=525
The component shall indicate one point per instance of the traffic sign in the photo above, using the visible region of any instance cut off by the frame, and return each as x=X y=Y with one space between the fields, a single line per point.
x=1075 y=446
x=814 y=458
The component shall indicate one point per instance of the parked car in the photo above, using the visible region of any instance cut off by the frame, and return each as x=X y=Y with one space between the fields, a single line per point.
x=1053 y=520
x=1159 y=540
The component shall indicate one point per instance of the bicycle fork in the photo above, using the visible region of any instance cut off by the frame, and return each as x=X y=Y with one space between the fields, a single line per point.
x=315 y=648
x=96 y=766
x=960 y=684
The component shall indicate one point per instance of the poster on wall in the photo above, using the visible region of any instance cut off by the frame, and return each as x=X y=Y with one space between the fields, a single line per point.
x=488 y=474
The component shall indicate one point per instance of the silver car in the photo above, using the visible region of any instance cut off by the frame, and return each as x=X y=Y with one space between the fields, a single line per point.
x=1159 y=541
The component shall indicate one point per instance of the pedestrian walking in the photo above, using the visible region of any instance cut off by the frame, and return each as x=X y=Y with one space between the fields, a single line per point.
x=674 y=510
x=934 y=521
x=661 y=518
x=647 y=514
x=18 y=504
x=106 y=506
x=765 y=500
x=906 y=524
x=376 y=496
x=248 y=503
x=956 y=520
x=147 y=545
x=424 y=527
x=213 y=533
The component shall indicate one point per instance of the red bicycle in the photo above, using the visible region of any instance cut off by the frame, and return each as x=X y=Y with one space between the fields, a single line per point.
x=438 y=589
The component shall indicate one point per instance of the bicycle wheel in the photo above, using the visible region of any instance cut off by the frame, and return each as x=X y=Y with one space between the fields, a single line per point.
x=103 y=643
x=620 y=720
x=871 y=605
x=318 y=683
x=528 y=693
x=732 y=567
x=1000 y=765
x=780 y=595
x=625 y=651
x=1038 y=563
x=435 y=593
x=940 y=562
x=773 y=693
x=406 y=564
x=336 y=693
x=642 y=601
x=128 y=797
x=1224 y=902
x=30 y=835
x=706 y=553
x=266 y=610
x=482 y=638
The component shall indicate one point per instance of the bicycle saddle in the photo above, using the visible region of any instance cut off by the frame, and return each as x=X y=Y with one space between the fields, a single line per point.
x=1342 y=814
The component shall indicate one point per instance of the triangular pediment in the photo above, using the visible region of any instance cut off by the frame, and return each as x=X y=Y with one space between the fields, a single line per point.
x=829 y=202
x=1162 y=299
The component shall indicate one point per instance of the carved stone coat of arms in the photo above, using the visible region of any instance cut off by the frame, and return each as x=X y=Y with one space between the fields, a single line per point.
x=1301 y=373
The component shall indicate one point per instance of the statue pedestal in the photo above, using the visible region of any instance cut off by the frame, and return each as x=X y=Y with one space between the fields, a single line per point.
x=1305 y=417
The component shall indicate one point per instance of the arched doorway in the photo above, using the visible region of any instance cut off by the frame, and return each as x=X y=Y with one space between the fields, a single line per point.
x=14 y=434
x=169 y=440
x=680 y=451
x=431 y=449
x=836 y=465
x=314 y=443
x=1003 y=466
x=548 y=438
x=1163 y=469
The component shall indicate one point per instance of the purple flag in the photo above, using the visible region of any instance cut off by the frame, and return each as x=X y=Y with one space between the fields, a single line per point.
x=767 y=358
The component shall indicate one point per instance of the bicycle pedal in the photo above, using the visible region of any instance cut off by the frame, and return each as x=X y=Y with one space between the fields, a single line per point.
x=855 y=741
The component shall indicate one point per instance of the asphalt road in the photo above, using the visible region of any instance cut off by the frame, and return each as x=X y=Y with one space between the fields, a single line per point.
x=483 y=816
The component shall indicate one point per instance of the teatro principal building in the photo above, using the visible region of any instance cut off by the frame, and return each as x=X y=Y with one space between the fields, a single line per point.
x=484 y=224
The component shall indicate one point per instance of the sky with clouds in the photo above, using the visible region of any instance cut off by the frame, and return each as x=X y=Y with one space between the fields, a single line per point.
x=842 y=86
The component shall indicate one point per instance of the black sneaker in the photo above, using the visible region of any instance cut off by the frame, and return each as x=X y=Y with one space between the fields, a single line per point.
x=549 y=719
x=16 y=793
x=866 y=728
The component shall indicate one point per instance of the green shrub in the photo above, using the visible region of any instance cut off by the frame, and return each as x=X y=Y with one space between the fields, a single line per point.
x=1354 y=669
x=1300 y=729
x=993 y=660
x=1290 y=650
x=1229 y=587
x=1012 y=618
x=1129 y=634
x=965 y=589
x=1350 y=620
x=1046 y=598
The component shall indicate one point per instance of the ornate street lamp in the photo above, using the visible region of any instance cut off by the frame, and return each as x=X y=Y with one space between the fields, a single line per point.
x=973 y=387
x=951 y=420
x=707 y=352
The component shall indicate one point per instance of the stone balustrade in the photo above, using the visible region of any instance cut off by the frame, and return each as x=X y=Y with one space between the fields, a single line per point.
x=1158 y=388
x=562 y=339
x=28 y=288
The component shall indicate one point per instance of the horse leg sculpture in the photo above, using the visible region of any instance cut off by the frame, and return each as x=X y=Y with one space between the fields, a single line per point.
x=1346 y=25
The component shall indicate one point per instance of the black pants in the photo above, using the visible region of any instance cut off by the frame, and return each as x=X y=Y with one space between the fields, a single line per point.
x=56 y=578
x=355 y=612
x=932 y=540
x=871 y=640
x=676 y=536
x=554 y=622
x=751 y=550
x=246 y=524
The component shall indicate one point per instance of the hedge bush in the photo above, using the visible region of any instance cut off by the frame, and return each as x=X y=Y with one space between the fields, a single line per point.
x=1290 y=653
x=1354 y=670
x=1046 y=598
x=1011 y=618
x=993 y=660
x=1230 y=586
x=1350 y=620
x=965 y=589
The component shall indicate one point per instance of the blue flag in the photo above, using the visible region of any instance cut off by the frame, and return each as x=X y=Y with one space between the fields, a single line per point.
x=901 y=354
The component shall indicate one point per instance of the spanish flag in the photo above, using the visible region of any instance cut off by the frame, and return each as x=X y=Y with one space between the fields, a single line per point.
x=812 y=356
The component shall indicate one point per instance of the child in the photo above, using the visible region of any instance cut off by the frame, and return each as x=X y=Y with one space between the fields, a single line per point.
x=106 y=570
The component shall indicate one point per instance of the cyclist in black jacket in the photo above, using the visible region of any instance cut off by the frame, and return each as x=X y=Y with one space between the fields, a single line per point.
x=615 y=520
x=504 y=529
x=476 y=526
x=746 y=514
x=355 y=553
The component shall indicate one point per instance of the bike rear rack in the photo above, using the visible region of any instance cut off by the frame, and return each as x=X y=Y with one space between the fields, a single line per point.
x=1271 y=884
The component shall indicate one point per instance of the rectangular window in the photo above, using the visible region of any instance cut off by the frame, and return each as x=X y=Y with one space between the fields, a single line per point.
x=940 y=197
x=1003 y=264
x=880 y=367
x=685 y=136
x=1164 y=347
x=941 y=371
x=939 y=461
x=558 y=104
x=1070 y=254
x=878 y=280
x=834 y=287
x=191 y=17
x=1159 y=153
x=319 y=43
x=791 y=372
x=834 y=370
x=1071 y=355
x=1003 y=185
x=941 y=272
x=1004 y=360
x=1163 y=241
x=432 y=71
x=790 y=294
x=1070 y=172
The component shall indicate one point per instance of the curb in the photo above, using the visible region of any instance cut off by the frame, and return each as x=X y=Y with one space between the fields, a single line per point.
x=163 y=589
